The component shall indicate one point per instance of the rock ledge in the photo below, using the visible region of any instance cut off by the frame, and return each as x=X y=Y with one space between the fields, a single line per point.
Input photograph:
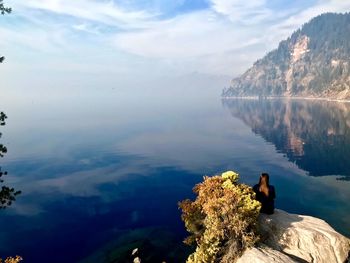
x=297 y=238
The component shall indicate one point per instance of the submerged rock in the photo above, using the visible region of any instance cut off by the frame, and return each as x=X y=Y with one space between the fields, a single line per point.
x=297 y=238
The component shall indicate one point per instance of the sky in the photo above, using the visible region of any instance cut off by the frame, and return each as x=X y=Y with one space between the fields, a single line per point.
x=64 y=45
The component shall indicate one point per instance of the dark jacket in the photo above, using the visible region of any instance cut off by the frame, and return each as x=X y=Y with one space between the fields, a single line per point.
x=267 y=202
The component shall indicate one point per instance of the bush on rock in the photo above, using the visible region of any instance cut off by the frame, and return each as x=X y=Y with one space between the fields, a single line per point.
x=222 y=220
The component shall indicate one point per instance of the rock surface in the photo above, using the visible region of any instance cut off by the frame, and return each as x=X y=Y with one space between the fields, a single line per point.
x=264 y=255
x=297 y=238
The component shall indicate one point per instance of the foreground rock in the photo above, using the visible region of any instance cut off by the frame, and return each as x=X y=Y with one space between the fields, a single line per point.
x=296 y=238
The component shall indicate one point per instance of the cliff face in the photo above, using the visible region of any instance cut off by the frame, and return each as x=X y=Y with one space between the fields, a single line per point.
x=313 y=62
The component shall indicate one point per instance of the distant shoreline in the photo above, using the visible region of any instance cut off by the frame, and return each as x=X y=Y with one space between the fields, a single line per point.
x=285 y=97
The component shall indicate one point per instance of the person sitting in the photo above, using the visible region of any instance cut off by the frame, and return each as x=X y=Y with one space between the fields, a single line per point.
x=265 y=194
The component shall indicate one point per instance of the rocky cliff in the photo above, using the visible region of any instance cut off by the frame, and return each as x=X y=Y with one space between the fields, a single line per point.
x=297 y=238
x=314 y=62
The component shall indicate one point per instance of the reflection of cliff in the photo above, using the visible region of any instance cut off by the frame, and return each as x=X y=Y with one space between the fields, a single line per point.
x=313 y=134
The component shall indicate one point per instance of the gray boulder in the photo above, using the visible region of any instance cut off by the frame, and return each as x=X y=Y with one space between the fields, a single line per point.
x=264 y=254
x=297 y=238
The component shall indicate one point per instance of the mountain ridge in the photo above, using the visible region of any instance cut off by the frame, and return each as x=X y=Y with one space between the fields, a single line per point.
x=313 y=62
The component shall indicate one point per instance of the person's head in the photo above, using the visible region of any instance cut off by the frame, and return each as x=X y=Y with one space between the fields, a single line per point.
x=264 y=179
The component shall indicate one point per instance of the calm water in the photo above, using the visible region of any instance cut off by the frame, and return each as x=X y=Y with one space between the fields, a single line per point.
x=103 y=175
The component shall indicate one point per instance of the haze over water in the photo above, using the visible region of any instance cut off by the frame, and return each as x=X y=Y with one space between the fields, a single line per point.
x=95 y=170
x=114 y=114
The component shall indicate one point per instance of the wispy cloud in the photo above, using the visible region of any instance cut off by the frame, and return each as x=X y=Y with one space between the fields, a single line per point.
x=106 y=12
x=174 y=38
x=227 y=27
x=249 y=12
x=220 y=37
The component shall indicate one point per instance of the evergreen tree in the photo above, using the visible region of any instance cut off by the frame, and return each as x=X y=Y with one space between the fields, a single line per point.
x=4 y=10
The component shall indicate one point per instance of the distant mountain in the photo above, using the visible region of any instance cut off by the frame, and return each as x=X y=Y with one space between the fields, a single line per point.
x=314 y=61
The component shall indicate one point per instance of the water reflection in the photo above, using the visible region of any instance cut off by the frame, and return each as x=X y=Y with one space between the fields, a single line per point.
x=100 y=213
x=313 y=134
x=7 y=194
x=99 y=181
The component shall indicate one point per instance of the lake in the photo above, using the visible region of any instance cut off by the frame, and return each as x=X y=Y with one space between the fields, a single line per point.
x=101 y=175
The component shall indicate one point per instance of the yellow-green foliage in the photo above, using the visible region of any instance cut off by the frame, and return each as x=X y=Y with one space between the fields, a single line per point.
x=12 y=260
x=222 y=220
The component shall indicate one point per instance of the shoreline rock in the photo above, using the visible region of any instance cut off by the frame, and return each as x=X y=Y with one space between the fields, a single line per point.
x=297 y=238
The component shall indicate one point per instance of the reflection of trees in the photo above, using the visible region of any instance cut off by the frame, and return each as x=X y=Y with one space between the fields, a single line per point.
x=7 y=194
x=313 y=134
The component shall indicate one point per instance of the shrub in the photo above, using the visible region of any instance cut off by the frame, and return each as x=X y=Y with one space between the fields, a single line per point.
x=16 y=259
x=222 y=220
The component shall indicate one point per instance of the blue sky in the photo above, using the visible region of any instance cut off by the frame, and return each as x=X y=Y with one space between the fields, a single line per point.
x=78 y=42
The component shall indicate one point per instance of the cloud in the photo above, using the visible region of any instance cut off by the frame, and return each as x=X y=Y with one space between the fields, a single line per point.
x=33 y=38
x=248 y=12
x=85 y=27
x=174 y=38
x=227 y=27
x=106 y=12
x=225 y=37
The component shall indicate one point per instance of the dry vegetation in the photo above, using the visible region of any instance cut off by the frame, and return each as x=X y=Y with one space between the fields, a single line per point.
x=222 y=220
